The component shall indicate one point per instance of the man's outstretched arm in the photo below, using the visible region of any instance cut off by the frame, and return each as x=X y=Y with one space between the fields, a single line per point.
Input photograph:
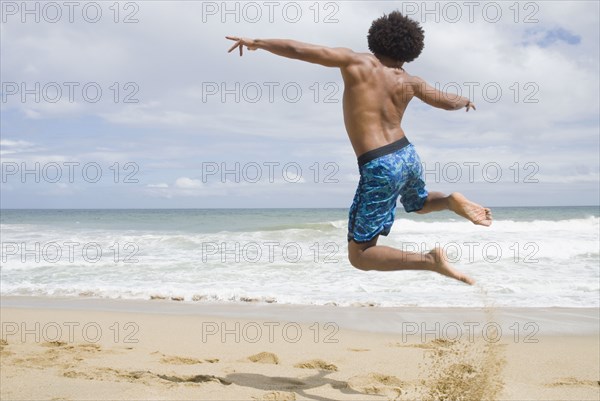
x=326 y=56
x=439 y=99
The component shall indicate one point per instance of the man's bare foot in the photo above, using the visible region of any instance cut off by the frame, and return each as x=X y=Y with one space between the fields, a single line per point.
x=471 y=211
x=443 y=267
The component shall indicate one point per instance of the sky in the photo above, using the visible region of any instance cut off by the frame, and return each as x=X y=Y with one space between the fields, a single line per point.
x=138 y=104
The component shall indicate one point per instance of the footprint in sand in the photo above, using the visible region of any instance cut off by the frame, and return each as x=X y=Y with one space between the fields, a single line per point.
x=3 y=352
x=148 y=376
x=316 y=364
x=87 y=347
x=50 y=358
x=54 y=344
x=76 y=352
x=573 y=381
x=277 y=396
x=434 y=344
x=264 y=357
x=110 y=374
x=179 y=360
x=57 y=354
x=182 y=360
x=194 y=379
x=72 y=374
x=375 y=383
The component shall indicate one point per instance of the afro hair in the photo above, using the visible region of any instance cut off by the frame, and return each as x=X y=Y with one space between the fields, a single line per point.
x=397 y=37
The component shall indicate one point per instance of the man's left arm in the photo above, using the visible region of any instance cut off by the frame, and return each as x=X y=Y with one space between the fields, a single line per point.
x=326 y=56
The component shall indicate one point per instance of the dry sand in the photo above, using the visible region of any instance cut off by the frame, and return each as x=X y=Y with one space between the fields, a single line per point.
x=123 y=355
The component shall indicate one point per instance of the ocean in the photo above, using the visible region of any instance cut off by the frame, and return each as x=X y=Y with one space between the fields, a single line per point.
x=529 y=257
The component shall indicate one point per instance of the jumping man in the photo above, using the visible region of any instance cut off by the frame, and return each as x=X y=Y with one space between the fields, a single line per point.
x=377 y=91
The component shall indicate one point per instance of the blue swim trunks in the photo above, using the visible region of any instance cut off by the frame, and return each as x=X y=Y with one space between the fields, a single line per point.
x=385 y=174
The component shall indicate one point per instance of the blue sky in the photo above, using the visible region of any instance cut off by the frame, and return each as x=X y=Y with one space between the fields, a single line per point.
x=180 y=123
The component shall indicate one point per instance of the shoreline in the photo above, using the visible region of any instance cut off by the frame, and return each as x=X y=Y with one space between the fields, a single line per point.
x=546 y=321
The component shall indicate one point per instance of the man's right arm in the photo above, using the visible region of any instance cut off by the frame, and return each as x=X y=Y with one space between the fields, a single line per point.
x=326 y=56
x=439 y=99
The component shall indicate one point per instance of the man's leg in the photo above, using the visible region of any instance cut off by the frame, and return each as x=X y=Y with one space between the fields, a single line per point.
x=460 y=205
x=370 y=256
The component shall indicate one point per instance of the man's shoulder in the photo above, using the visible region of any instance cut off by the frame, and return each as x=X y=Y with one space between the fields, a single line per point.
x=363 y=60
x=413 y=80
x=367 y=57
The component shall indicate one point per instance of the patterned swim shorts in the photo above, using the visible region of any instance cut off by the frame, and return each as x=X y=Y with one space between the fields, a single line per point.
x=385 y=174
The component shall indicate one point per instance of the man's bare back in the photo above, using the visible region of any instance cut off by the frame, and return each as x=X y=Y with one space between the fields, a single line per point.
x=376 y=95
x=375 y=98
x=377 y=91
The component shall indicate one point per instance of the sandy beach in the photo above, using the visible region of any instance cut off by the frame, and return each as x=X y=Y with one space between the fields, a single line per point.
x=300 y=200
x=165 y=350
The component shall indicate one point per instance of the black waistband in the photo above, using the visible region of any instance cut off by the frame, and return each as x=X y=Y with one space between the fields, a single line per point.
x=382 y=151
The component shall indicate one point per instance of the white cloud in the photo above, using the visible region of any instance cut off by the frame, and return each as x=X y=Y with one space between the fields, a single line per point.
x=188 y=183
x=8 y=146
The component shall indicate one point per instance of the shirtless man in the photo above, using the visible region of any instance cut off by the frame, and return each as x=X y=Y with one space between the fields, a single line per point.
x=377 y=91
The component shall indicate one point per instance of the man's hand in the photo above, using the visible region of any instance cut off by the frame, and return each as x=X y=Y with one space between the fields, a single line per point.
x=470 y=106
x=241 y=42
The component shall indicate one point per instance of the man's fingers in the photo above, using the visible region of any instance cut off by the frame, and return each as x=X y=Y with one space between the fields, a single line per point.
x=239 y=42
x=233 y=47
